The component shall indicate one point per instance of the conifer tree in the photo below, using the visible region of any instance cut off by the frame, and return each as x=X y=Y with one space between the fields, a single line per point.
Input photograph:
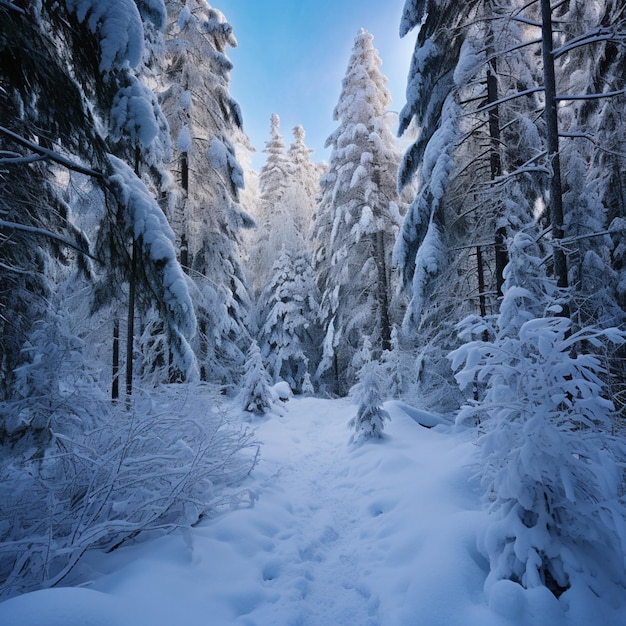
x=206 y=213
x=369 y=422
x=288 y=332
x=486 y=163
x=304 y=185
x=255 y=394
x=548 y=466
x=356 y=220
x=276 y=220
x=71 y=98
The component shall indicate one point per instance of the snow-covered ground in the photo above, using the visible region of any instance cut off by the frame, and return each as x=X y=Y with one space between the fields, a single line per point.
x=384 y=533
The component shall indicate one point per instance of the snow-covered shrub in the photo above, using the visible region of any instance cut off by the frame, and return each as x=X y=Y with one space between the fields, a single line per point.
x=307 y=385
x=164 y=466
x=369 y=393
x=256 y=394
x=549 y=466
x=54 y=389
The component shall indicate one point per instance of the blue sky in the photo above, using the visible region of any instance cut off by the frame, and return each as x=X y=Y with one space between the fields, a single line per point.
x=292 y=56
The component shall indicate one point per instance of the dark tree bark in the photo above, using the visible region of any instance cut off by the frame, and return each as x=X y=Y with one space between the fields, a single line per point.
x=383 y=291
x=552 y=141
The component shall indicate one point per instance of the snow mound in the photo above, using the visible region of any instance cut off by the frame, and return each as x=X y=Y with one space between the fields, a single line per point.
x=64 y=606
x=282 y=391
x=423 y=418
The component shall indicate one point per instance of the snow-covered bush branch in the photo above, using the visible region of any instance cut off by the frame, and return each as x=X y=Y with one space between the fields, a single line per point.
x=150 y=472
x=551 y=470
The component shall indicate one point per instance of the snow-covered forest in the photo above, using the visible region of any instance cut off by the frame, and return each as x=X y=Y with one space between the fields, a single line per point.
x=459 y=267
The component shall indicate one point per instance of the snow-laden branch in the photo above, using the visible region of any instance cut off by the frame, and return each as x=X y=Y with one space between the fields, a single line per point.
x=13 y=158
x=518 y=94
x=51 y=154
x=591 y=96
x=595 y=36
x=46 y=233
x=525 y=20
x=579 y=135
x=9 y=5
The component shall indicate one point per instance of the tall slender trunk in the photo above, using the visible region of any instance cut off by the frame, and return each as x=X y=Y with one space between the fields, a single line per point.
x=383 y=291
x=502 y=257
x=132 y=287
x=552 y=141
x=115 y=384
x=130 y=333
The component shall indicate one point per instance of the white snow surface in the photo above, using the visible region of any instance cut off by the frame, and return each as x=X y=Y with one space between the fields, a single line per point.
x=384 y=533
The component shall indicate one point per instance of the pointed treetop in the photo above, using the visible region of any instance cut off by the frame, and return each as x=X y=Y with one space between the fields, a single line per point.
x=275 y=124
x=298 y=133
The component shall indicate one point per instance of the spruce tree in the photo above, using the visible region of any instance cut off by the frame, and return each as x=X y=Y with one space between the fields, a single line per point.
x=72 y=96
x=304 y=185
x=548 y=466
x=255 y=394
x=369 y=422
x=206 y=213
x=357 y=220
x=288 y=333
x=276 y=220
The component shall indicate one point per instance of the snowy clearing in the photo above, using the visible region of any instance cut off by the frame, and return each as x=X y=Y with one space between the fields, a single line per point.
x=380 y=534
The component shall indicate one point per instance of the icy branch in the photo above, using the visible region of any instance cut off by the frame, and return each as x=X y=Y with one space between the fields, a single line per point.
x=51 y=154
x=493 y=105
x=11 y=7
x=46 y=233
x=592 y=96
x=597 y=36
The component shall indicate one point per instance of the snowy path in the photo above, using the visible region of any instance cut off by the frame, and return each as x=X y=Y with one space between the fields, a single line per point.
x=383 y=534
x=323 y=509
x=339 y=535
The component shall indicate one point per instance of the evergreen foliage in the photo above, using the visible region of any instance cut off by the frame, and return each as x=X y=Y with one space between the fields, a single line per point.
x=74 y=95
x=356 y=220
x=205 y=210
x=550 y=471
x=255 y=394
x=288 y=330
x=369 y=422
x=480 y=163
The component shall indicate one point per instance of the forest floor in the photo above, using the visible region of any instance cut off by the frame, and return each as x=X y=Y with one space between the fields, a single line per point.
x=383 y=533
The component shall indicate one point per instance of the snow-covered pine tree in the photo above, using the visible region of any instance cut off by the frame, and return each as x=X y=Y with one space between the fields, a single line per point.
x=69 y=89
x=288 y=332
x=549 y=469
x=586 y=197
x=303 y=188
x=255 y=394
x=432 y=108
x=206 y=214
x=307 y=385
x=356 y=220
x=479 y=161
x=276 y=220
x=55 y=389
x=369 y=393
x=34 y=218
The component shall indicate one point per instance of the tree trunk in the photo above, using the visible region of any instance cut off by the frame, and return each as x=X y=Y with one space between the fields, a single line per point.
x=115 y=384
x=184 y=172
x=552 y=140
x=383 y=291
x=130 y=324
x=502 y=256
x=130 y=333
